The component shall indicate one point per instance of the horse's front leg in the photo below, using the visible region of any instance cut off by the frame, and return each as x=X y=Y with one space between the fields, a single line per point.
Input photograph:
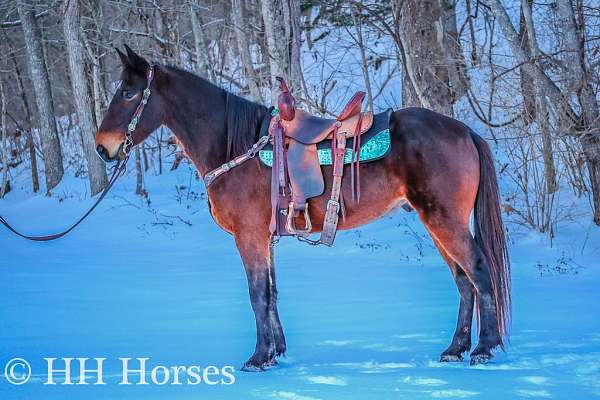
x=256 y=257
x=280 y=345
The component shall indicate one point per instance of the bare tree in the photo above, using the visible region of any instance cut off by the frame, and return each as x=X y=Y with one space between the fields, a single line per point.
x=243 y=44
x=426 y=81
x=541 y=102
x=282 y=31
x=3 y=128
x=359 y=39
x=139 y=174
x=71 y=27
x=586 y=126
x=579 y=85
x=26 y=112
x=201 y=49
x=51 y=150
x=276 y=57
x=294 y=33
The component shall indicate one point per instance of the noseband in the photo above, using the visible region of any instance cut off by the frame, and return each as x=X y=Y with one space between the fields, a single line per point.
x=118 y=170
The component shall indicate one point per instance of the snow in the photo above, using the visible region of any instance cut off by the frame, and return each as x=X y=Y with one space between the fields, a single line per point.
x=366 y=319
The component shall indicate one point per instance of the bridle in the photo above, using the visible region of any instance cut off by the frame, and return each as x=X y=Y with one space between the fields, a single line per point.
x=137 y=114
x=119 y=169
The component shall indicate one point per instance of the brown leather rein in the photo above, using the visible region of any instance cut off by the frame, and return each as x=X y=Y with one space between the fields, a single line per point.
x=118 y=170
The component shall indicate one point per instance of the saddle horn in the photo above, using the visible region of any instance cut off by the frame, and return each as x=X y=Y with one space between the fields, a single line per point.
x=285 y=101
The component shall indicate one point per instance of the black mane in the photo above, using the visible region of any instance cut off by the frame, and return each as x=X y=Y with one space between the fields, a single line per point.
x=243 y=118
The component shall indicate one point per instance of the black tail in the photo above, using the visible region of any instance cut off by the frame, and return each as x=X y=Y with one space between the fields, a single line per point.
x=490 y=234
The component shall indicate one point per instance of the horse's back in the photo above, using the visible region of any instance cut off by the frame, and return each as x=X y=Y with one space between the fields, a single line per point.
x=415 y=123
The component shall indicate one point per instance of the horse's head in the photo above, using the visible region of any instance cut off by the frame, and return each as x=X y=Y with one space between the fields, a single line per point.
x=112 y=133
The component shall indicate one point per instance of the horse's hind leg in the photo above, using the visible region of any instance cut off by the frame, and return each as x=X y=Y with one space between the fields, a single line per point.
x=458 y=243
x=461 y=342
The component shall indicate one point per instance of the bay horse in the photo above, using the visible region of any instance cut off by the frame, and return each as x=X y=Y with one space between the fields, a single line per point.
x=437 y=164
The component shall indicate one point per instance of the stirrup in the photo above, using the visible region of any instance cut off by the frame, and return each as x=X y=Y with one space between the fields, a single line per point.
x=290 y=225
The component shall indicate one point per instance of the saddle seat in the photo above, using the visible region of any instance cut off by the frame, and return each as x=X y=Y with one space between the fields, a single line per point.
x=310 y=129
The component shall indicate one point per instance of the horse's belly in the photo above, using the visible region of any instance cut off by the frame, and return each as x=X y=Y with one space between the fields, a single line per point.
x=380 y=195
x=371 y=213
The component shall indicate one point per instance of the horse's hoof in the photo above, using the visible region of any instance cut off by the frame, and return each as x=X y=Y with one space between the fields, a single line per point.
x=255 y=365
x=482 y=358
x=451 y=358
x=280 y=351
x=247 y=367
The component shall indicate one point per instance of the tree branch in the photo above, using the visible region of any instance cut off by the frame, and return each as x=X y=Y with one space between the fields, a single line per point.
x=10 y=24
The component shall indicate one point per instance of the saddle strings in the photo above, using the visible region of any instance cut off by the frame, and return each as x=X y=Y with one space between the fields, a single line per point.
x=355 y=162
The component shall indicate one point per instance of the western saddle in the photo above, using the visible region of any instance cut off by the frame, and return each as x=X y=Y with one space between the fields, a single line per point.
x=296 y=172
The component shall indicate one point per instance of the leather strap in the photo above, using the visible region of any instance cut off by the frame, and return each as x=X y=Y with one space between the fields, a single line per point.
x=119 y=170
x=355 y=163
x=280 y=194
x=137 y=114
x=210 y=177
x=330 y=221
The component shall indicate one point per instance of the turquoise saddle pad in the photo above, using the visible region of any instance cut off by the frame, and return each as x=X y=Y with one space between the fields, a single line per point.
x=375 y=148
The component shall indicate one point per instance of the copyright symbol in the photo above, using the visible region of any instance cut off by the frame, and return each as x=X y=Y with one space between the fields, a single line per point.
x=17 y=371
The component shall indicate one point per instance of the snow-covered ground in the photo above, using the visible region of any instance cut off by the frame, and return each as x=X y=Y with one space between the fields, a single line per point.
x=366 y=319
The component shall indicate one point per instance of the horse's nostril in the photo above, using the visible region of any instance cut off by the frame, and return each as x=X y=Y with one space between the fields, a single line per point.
x=103 y=153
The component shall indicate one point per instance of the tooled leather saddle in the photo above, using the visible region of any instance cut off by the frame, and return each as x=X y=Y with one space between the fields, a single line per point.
x=296 y=172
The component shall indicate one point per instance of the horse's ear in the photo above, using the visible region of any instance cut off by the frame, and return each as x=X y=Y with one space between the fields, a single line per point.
x=124 y=60
x=137 y=62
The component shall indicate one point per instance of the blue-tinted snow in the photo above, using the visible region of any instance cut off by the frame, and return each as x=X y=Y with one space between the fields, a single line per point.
x=366 y=319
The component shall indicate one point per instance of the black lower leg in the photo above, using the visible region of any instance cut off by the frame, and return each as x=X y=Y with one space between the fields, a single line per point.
x=279 y=337
x=489 y=334
x=461 y=342
x=264 y=353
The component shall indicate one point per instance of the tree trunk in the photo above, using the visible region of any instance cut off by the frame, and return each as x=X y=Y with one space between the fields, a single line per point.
x=50 y=143
x=3 y=128
x=363 y=57
x=425 y=80
x=139 y=173
x=551 y=90
x=541 y=102
x=526 y=80
x=200 y=47
x=35 y=180
x=295 y=33
x=243 y=44
x=283 y=32
x=278 y=61
x=449 y=44
x=591 y=149
x=71 y=27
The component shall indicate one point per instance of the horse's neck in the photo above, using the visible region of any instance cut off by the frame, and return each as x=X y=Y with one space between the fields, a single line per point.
x=198 y=122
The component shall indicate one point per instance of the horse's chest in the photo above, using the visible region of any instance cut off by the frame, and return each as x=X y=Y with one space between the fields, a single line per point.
x=219 y=215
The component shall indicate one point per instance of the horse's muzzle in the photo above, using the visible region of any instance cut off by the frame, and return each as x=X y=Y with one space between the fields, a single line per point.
x=104 y=154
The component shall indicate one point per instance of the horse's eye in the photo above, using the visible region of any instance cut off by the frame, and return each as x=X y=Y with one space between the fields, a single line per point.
x=128 y=94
